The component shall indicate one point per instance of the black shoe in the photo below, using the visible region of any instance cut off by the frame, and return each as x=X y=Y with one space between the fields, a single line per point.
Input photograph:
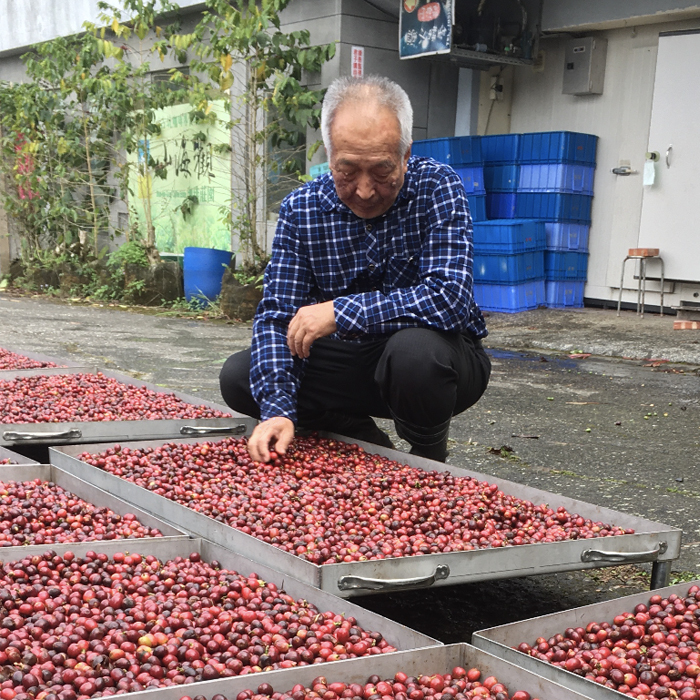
x=426 y=441
x=356 y=427
x=365 y=429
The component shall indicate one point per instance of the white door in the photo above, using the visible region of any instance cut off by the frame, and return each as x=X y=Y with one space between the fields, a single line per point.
x=670 y=206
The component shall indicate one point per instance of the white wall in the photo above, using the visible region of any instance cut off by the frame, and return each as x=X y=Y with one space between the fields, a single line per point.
x=621 y=118
x=28 y=22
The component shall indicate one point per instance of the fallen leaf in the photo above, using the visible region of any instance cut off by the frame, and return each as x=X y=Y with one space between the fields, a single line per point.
x=579 y=355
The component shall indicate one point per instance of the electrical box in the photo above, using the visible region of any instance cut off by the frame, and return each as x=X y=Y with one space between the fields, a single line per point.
x=584 y=66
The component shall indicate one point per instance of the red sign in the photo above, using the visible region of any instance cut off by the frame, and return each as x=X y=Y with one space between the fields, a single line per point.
x=358 y=61
x=429 y=12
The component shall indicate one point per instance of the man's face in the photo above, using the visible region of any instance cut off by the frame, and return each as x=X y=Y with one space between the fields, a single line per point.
x=367 y=168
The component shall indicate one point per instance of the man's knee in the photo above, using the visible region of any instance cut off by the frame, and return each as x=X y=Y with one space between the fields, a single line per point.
x=420 y=356
x=234 y=381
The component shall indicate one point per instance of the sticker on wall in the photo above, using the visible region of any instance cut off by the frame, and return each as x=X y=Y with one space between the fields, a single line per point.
x=425 y=27
x=358 y=61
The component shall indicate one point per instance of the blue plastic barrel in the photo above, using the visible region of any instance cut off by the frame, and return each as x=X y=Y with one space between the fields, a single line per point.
x=203 y=269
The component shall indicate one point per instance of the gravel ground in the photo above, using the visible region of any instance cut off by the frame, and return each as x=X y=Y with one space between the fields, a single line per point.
x=583 y=403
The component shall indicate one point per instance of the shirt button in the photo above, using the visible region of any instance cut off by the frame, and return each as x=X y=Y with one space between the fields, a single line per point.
x=371 y=267
x=368 y=228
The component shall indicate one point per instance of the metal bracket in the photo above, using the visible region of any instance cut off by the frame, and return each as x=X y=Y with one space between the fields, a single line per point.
x=624 y=170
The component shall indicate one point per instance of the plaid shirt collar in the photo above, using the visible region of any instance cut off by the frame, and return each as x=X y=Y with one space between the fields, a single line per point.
x=329 y=200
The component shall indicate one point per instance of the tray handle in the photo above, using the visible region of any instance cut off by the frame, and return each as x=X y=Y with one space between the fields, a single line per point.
x=589 y=555
x=211 y=430
x=351 y=583
x=18 y=437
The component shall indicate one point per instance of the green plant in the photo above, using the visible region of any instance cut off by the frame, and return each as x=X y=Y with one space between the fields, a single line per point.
x=270 y=106
x=129 y=253
x=249 y=273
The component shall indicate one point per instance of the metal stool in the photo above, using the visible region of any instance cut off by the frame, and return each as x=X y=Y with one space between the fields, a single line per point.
x=642 y=254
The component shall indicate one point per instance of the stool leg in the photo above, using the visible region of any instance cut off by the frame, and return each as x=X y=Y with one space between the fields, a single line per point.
x=662 y=286
x=643 y=281
x=639 y=285
x=622 y=278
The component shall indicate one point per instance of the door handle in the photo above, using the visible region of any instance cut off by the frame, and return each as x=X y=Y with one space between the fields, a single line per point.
x=668 y=156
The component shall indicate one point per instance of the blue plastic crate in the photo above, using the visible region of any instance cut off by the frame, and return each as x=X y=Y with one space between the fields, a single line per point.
x=562 y=295
x=439 y=149
x=557 y=147
x=550 y=206
x=455 y=150
x=500 y=148
x=509 y=236
x=467 y=150
x=560 y=265
x=556 y=177
x=477 y=206
x=501 y=268
x=472 y=177
x=501 y=178
x=502 y=205
x=567 y=236
x=510 y=298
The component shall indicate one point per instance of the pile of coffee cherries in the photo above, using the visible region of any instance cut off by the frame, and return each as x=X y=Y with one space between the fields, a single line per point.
x=40 y=512
x=64 y=398
x=11 y=360
x=649 y=652
x=77 y=628
x=327 y=501
x=460 y=684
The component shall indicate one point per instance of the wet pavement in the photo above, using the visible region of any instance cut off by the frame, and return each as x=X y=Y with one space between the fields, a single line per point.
x=583 y=403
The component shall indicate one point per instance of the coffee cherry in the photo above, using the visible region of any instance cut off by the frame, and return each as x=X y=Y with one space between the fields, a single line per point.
x=40 y=512
x=11 y=360
x=64 y=398
x=326 y=501
x=95 y=626
x=648 y=653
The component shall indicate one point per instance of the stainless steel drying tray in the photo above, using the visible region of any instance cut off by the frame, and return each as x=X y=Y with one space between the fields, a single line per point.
x=398 y=635
x=652 y=542
x=15 y=457
x=12 y=373
x=77 y=432
x=501 y=640
x=430 y=660
x=91 y=494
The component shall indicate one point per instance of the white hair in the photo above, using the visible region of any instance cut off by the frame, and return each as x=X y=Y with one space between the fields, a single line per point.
x=384 y=91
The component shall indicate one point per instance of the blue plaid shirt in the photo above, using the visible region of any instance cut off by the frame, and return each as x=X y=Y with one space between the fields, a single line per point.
x=412 y=266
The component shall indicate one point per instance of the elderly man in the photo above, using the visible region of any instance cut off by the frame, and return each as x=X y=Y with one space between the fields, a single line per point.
x=368 y=307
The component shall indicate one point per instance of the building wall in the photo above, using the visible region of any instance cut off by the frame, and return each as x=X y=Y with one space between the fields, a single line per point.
x=574 y=15
x=621 y=118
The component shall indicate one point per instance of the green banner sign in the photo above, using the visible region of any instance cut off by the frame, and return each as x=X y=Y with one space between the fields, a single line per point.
x=189 y=205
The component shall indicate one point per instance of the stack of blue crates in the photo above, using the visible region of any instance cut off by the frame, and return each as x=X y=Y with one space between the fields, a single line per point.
x=530 y=196
x=556 y=185
x=509 y=264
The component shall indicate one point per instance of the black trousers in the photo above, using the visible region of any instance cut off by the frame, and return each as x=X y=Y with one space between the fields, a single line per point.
x=418 y=376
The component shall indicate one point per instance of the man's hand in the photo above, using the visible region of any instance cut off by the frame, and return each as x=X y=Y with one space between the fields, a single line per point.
x=274 y=432
x=309 y=323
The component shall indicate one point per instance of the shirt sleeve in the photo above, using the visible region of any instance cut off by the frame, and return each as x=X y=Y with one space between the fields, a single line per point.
x=275 y=373
x=442 y=297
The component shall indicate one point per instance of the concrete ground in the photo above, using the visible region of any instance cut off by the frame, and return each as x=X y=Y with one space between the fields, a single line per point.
x=584 y=403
